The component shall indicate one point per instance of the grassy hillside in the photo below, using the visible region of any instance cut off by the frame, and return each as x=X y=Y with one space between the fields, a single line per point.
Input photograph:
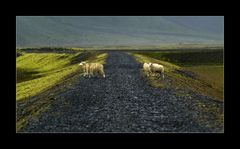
x=199 y=71
x=37 y=72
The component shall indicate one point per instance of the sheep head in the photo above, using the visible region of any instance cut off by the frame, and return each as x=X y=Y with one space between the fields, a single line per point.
x=82 y=63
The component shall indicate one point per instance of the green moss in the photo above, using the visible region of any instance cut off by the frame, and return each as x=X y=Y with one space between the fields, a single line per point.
x=20 y=124
x=33 y=112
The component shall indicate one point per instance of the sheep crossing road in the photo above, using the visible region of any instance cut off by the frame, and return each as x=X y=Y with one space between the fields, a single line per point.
x=121 y=102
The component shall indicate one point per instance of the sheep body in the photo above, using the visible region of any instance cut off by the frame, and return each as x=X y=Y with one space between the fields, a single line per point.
x=91 y=69
x=157 y=68
x=96 y=69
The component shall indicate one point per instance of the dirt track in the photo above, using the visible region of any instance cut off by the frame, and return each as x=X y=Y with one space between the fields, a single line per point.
x=124 y=102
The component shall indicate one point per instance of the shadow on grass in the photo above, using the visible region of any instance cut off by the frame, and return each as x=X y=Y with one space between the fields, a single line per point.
x=186 y=73
x=86 y=55
x=26 y=75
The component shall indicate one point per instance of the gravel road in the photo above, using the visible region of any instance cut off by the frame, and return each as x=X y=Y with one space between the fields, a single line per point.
x=124 y=102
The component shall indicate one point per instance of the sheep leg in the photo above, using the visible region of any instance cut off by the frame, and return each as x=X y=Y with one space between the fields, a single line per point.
x=89 y=73
x=149 y=73
x=85 y=72
x=103 y=74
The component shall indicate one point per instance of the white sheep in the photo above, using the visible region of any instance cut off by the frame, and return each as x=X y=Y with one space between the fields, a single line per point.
x=146 y=68
x=91 y=69
x=85 y=68
x=157 y=68
x=96 y=69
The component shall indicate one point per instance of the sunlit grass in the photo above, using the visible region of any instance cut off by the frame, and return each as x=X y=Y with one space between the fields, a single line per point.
x=36 y=72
